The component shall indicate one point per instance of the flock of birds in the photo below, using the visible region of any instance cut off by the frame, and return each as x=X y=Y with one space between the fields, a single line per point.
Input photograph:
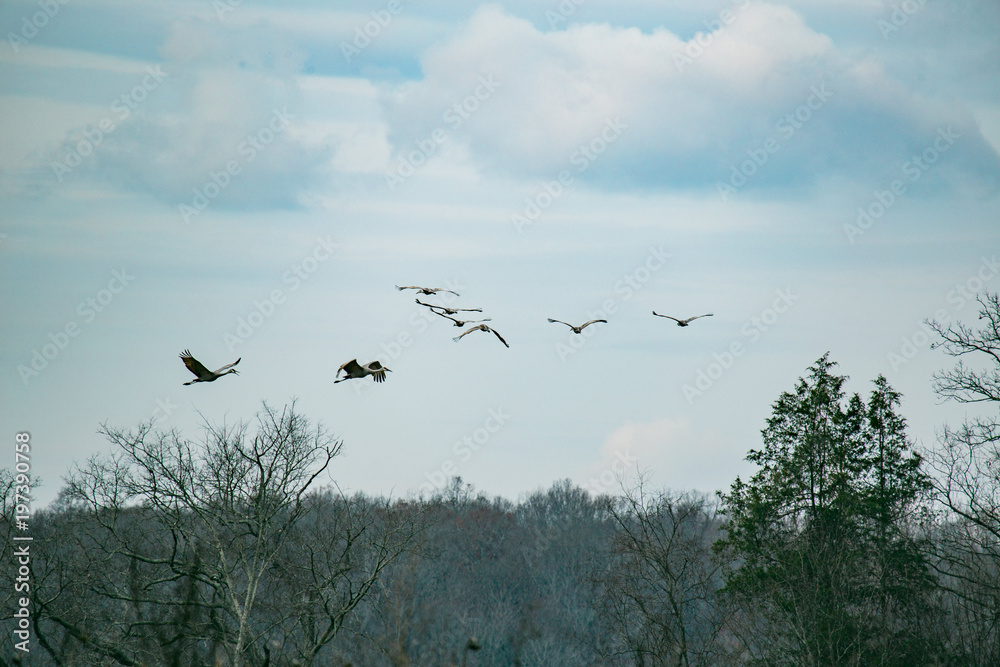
x=353 y=370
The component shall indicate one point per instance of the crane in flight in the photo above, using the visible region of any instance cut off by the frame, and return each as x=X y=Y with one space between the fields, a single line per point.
x=461 y=323
x=683 y=323
x=480 y=327
x=202 y=374
x=578 y=329
x=429 y=291
x=446 y=309
x=352 y=369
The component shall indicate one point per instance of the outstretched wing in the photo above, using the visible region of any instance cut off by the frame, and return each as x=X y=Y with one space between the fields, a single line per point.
x=705 y=315
x=486 y=328
x=193 y=364
x=667 y=316
x=426 y=290
x=467 y=331
x=561 y=322
x=433 y=307
x=587 y=324
x=377 y=371
x=350 y=367
x=449 y=317
x=227 y=366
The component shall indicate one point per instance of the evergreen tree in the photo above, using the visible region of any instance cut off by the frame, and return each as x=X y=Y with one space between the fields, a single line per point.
x=828 y=572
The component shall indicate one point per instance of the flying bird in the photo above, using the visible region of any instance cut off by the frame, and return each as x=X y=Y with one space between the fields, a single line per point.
x=580 y=328
x=430 y=291
x=480 y=327
x=352 y=369
x=202 y=373
x=683 y=323
x=446 y=309
x=460 y=323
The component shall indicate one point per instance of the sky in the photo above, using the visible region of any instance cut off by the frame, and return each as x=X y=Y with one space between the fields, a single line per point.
x=253 y=180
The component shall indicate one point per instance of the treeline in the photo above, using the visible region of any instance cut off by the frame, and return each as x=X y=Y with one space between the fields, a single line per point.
x=848 y=546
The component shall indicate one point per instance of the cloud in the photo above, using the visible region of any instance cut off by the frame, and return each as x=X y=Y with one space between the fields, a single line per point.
x=691 y=109
x=694 y=109
x=219 y=116
x=670 y=449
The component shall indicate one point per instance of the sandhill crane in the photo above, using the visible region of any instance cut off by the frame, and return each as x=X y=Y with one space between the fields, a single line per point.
x=202 y=373
x=683 y=323
x=480 y=327
x=580 y=328
x=446 y=309
x=352 y=369
x=429 y=291
x=460 y=323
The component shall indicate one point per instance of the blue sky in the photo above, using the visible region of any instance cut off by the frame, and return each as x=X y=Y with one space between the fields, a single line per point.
x=251 y=179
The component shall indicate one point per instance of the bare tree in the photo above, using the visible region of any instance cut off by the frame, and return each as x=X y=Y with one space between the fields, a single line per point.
x=967 y=481
x=187 y=544
x=659 y=592
x=333 y=562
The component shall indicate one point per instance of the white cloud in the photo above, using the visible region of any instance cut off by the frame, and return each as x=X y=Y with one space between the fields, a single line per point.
x=32 y=55
x=672 y=450
x=689 y=123
x=222 y=95
x=693 y=108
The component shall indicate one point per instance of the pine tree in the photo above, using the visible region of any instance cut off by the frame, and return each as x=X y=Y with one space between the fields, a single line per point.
x=894 y=494
x=827 y=572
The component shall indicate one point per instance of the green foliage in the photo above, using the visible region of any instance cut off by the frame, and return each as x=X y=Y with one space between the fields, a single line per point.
x=829 y=573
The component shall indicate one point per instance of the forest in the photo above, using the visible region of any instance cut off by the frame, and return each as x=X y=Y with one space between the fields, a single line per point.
x=848 y=545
